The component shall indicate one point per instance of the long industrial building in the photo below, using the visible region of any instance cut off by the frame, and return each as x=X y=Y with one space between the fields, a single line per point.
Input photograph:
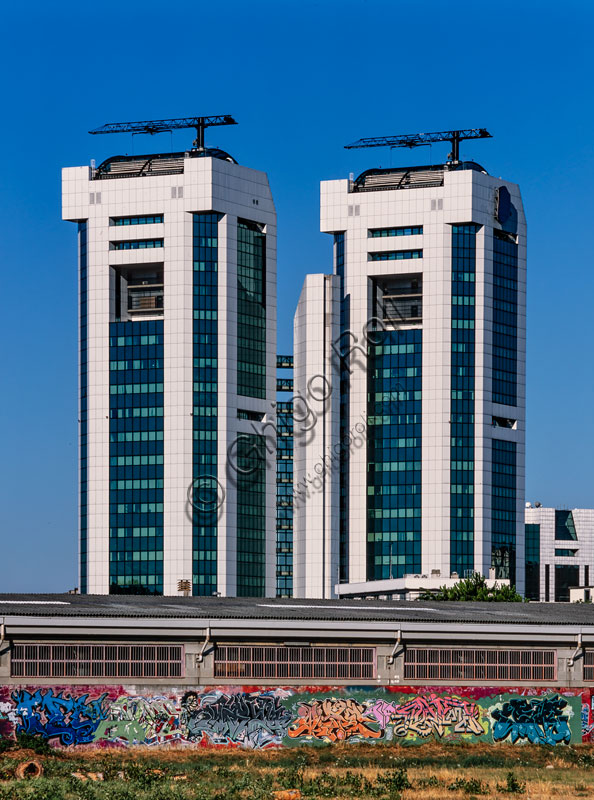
x=123 y=670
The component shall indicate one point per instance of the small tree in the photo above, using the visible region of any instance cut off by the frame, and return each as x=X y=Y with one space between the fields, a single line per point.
x=474 y=589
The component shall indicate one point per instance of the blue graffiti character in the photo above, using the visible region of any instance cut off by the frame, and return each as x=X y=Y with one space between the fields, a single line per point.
x=73 y=720
x=539 y=720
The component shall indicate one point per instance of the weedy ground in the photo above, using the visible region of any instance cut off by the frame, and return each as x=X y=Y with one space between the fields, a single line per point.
x=431 y=771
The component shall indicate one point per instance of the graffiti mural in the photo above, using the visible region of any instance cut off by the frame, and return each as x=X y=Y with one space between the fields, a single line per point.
x=251 y=720
x=431 y=715
x=292 y=717
x=141 y=720
x=335 y=720
x=539 y=720
x=70 y=719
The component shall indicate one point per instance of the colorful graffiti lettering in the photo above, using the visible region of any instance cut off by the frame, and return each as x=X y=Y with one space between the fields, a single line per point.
x=540 y=720
x=73 y=720
x=141 y=720
x=250 y=720
x=334 y=720
x=426 y=715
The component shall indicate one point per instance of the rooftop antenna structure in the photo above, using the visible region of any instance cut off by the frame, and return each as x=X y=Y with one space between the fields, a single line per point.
x=422 y=139
x=153 y=126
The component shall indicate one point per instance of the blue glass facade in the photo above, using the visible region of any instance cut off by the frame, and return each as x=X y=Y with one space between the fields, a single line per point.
x=503 y=509
x=462 y=399
x=394 y=454
x=136 y=457
x=205 y=377
x=251 y=309
x=532 y=554
x=284 y=500
x=251 y=515
x=505 y=318
x=82 y=366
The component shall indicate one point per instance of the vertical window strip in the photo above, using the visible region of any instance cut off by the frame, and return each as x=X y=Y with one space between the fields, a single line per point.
x=394 y=447
x=284 y=500
x=462 y=399
x=532 y=555
x=136 y=469
x=205 y=418
x=251 y=310
x=505 y=321
x=503 y=509
x=250 y=457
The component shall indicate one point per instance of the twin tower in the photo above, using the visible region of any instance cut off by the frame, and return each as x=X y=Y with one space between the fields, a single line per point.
x=408 y=403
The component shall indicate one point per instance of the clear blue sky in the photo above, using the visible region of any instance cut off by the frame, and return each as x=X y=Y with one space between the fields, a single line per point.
x=303 y=79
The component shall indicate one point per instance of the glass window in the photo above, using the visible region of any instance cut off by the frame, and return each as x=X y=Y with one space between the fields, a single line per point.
x=251 y=309
x=376 y=233
x=395 y=255
x=150 y=219
x=462 y=399
x=137 y=244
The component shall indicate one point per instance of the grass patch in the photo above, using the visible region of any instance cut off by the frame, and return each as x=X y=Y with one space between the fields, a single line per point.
x=342 y=772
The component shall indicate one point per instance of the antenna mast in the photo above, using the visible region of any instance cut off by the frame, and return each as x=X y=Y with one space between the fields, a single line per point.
x=166 y=125
x=420 y=139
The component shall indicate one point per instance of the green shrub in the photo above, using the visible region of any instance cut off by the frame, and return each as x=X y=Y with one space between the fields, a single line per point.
x=512 y=785
x=38 y=744
x=471 y=786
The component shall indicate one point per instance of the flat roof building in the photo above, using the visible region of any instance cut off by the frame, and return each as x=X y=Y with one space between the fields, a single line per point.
x=410 y=362
x=100 y=670
x=559 y=552
x=177 y=312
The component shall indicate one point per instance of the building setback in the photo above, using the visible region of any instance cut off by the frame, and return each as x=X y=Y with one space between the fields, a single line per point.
x=410 y=362
x=177 y=283
x=77 y=669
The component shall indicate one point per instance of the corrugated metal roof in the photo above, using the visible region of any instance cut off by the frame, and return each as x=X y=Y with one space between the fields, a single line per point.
x=123 y=606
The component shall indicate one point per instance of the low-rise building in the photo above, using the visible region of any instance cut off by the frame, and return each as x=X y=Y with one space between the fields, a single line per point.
x=559 y=551
x=131 y=670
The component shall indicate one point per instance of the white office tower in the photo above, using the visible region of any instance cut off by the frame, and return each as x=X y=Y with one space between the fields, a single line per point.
x=177 y=277
x=430 y=264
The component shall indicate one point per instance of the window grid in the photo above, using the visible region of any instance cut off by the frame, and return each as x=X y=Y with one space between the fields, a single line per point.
x=145 y=220
x=477 y=665
x=284 y=500
x=378 y=233
x=137 y=244
x=251 y=515
x=205 y=412
x=251 y=310
x=505 y=319
x=589 y=665
x=394 y=454
x=395 y=255
x=97 y=660
x=136 y=457
x=341 y=663
x=462 y=453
